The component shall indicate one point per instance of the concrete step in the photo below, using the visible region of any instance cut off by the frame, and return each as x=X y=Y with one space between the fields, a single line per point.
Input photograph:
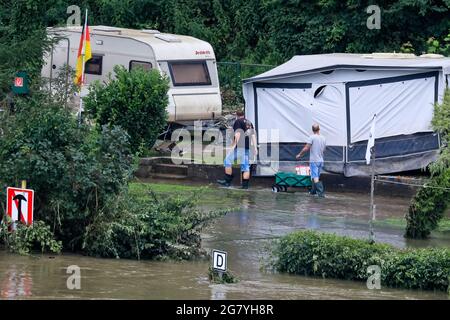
x=167 y=176
x=154 y=160
x=165 y=168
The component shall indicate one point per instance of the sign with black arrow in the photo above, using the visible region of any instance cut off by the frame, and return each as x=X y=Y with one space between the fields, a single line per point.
x=19 y=205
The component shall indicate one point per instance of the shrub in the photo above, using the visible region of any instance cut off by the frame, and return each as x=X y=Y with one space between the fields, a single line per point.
x=147 y=228
x=311 y=253
x=135 y=101
x=80 y=177
x=429 y=204
x=223 y=278
x=27 y=238
x=72 y=169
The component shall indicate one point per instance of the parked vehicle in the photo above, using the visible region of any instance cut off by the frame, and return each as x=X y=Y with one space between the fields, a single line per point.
x=188 y=62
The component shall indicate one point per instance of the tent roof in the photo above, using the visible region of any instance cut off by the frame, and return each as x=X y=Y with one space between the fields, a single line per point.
x=321 y=62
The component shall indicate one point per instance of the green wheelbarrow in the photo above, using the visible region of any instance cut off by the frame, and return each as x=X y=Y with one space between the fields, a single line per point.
x=283 y=180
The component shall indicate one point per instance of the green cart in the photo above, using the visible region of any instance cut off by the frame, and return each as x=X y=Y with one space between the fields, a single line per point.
x=283 y=180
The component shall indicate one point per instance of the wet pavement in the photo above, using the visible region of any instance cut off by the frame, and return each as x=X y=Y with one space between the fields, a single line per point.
x=245 y=234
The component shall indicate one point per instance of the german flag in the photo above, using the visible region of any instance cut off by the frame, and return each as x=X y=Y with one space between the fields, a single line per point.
x=84 y=50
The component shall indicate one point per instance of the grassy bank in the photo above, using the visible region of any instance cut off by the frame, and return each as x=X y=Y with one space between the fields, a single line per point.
x=400 y=222
x=207 y=196
x=312 y=253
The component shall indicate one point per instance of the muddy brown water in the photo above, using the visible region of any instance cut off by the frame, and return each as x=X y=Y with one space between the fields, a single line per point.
x=244 y=234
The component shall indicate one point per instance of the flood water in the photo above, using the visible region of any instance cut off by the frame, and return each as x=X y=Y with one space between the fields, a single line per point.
x=244 y=234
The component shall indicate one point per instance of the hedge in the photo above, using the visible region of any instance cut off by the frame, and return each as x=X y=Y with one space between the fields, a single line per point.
x=312 y=253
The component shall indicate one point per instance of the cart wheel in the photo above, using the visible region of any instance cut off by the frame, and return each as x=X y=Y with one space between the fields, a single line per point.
x=283 y=188
x=275 y=189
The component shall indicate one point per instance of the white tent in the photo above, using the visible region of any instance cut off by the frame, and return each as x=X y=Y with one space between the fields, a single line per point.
x=342 y=92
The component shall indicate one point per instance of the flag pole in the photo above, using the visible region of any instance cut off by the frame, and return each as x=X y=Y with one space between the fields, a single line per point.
x=83 y=54
x=372 y=200
x=372 y=181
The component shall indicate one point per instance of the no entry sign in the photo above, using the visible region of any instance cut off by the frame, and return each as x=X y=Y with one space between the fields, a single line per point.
x=19 y=205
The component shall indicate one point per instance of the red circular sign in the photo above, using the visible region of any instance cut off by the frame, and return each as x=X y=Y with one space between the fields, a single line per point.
x=18 y=82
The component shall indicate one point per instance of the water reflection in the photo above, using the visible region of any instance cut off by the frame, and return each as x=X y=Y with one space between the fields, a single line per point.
x=217 y=293
x=263 y=215
x=16 y=283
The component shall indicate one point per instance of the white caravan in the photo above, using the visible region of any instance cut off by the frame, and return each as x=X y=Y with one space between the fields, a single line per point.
x=188 y=62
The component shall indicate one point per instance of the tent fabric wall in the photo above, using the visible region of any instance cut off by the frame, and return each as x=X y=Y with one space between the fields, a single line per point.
x=294 y=110
x=402 y=107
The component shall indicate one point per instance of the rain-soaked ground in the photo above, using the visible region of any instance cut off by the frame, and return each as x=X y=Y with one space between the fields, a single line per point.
x=244 y=234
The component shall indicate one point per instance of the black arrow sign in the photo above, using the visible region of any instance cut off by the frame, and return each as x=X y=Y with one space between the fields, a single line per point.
x=20 y=198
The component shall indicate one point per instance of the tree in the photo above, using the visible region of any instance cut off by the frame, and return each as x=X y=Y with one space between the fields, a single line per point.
x=429 y=204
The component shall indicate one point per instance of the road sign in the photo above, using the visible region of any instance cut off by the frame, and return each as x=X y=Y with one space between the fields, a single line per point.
x=19 y=204
x=18 y=82
x=21 y=83
x=219 y=260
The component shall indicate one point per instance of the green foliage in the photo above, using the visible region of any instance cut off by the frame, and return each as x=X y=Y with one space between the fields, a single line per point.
x=25 y=239
x=311 y=253
x=429 y=204
x=72 y=169
x=226 y=277
x=441 y=123
x=23 y=39
x=439 y=46
x=260 y=31
x=135 y=101
x=147 y=228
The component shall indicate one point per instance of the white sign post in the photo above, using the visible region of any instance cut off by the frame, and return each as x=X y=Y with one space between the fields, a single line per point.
x=219 y=261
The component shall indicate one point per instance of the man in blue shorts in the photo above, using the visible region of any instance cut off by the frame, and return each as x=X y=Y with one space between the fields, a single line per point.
x=240 y=150
x=316 y=145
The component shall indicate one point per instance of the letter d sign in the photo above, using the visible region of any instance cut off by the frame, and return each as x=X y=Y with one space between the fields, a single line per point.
x=219 y=260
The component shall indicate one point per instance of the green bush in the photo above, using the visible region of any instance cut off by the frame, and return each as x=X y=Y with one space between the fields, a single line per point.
x=135 y=101
x=25 y=238
x=225 y=277
x=80 y=177
x=72 y=168
x=429 y=204
x=311 y=253
x=147 y=228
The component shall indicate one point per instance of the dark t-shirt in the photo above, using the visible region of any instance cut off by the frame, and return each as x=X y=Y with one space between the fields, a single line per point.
x=247 y=128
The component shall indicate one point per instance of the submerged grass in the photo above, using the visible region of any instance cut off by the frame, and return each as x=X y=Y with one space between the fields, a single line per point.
x=400 y=222
x=206 y=195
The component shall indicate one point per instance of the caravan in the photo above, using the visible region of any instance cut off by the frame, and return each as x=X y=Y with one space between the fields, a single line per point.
x=188 y=62
x=342 y=92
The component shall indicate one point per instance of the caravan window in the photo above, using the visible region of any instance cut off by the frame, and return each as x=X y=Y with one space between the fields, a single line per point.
x=192 y=73
x=94 y=65
x=140 y=64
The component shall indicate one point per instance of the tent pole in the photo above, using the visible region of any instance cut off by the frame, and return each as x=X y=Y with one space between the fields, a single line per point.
x=372 y=201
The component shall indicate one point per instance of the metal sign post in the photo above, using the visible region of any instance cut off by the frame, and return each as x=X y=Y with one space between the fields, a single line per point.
x=372 y=200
